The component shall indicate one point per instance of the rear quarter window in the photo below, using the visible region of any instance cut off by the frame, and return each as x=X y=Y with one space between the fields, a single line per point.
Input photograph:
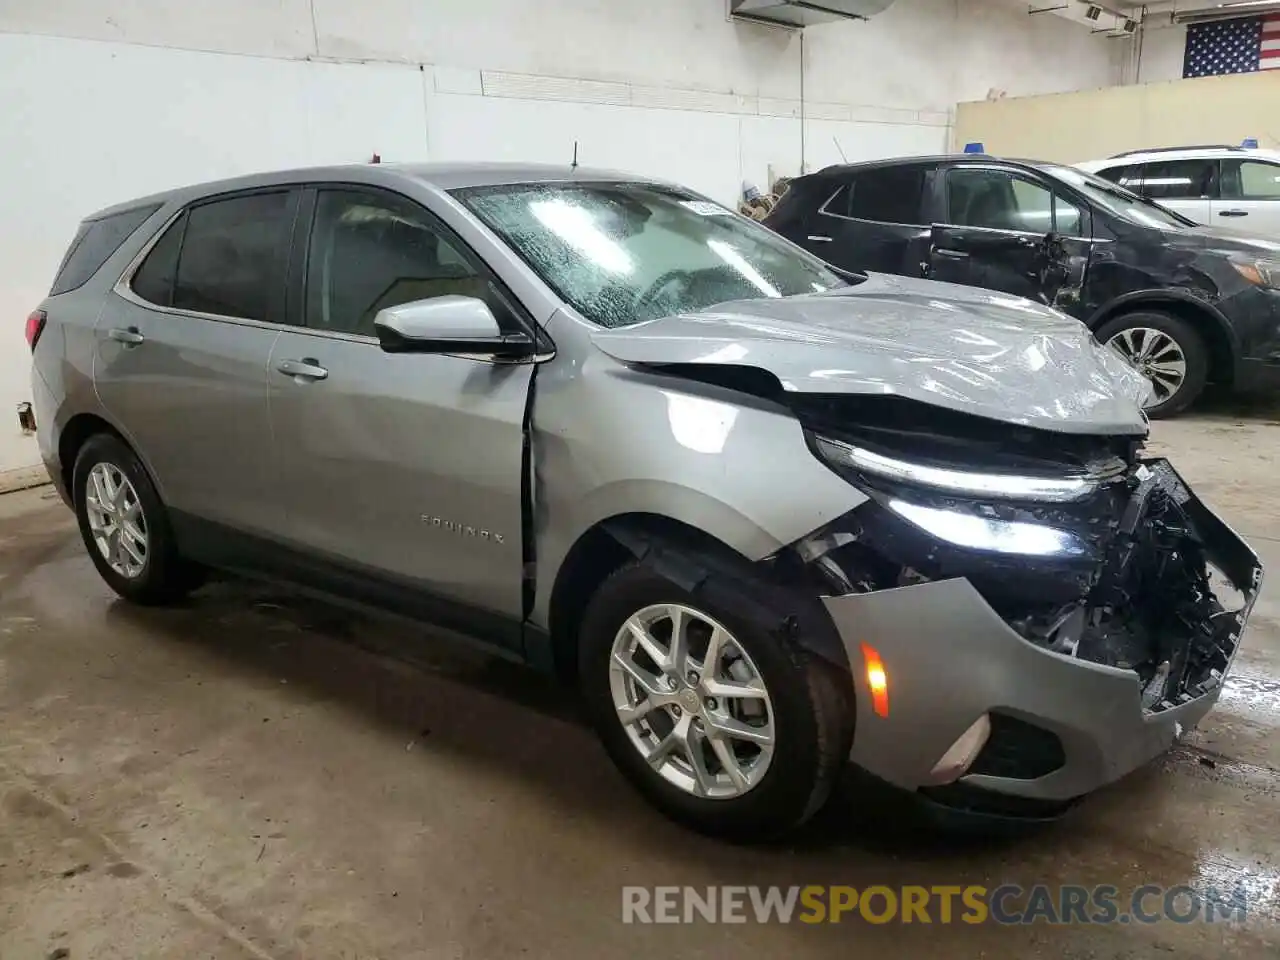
x=94 y=243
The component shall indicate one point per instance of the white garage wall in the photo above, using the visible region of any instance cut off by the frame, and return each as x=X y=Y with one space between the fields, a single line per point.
x=1161 y=54
x=101 y=100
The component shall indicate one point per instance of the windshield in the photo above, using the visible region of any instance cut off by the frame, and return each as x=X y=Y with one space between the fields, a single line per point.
x=1118 y=200
x=621 y=253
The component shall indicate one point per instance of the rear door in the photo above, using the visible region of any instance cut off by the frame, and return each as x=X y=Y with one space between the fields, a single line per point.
x=1009 y=230
x=1250 y=197
x=182 y=350
x=872 y=219
x=406 y=467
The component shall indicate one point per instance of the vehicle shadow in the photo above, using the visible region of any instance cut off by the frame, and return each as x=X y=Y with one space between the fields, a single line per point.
x=440 y=696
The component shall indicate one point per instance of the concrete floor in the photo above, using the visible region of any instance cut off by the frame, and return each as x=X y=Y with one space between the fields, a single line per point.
x=257 y=775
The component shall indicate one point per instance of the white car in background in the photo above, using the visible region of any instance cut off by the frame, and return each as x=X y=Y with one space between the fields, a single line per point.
x=1223 y=186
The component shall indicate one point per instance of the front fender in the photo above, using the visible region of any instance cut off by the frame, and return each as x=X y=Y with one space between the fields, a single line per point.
x=612 y=441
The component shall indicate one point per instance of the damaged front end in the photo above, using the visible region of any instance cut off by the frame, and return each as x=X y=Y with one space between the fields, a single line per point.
x=1068 y=606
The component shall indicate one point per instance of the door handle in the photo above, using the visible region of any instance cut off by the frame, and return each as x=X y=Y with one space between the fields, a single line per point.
x=129 y=337
x=1233 y=213
x=819 y=239
x=306 y=370
x=951 y=254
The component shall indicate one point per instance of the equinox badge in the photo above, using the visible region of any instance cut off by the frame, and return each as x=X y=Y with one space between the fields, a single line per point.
x=462 y=529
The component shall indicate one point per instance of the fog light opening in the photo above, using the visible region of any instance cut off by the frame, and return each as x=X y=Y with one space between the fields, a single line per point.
x=961 y=754
x=877 y=680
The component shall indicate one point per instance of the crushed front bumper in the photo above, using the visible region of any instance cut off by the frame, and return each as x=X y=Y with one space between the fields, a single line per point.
x=949 y=658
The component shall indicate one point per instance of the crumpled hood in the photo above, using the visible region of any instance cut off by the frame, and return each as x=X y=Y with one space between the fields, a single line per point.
x=966 y=349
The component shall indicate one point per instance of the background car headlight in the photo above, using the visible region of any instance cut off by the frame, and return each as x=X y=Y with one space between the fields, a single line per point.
x=1003 y=485
x=987 y=533
x=1261 y=273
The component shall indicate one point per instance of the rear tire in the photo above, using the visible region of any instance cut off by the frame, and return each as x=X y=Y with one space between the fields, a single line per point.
x=1133 y=332
x=807 y=709
x=125 y=527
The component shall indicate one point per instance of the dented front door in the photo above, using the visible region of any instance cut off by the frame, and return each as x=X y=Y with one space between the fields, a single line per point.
x=1009 y=229
x=1047 y=268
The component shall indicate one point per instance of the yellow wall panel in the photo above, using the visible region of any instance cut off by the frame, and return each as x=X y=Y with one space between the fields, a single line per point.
x=1071 y=127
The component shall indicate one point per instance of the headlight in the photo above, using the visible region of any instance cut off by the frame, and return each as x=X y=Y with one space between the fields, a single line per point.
x=986 y=533
x=1261 y=273
x=1003 y=485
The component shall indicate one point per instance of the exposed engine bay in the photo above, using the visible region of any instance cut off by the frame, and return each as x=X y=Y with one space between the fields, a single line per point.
x=1137 y=585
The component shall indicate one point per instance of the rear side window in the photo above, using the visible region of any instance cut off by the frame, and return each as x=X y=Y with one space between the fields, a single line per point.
x=94 y=242
x=153 y=280
x=231 y=261
x=884 y=194
x=1178 y=179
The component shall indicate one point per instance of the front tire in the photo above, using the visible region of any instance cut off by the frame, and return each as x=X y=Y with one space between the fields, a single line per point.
x=124 y=525
x=1166 y=350
x=727 y=728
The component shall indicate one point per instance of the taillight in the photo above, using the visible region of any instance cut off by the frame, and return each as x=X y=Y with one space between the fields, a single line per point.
x=35 y=327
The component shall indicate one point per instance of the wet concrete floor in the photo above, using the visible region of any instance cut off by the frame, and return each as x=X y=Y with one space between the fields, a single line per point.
x=258 y=775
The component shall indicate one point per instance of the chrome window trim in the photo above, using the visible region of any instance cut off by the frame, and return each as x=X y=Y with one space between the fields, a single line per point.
x=123 y=288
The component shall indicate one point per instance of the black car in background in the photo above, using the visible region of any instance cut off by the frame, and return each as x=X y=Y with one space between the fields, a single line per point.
x=1185 y=304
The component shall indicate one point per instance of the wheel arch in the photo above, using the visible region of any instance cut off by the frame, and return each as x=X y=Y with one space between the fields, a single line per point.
x=688 y=556
x=1219 y=336
x=597 y=553
x=75 y=433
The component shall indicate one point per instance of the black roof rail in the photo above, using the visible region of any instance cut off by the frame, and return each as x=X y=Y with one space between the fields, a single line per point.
x=1194 y=146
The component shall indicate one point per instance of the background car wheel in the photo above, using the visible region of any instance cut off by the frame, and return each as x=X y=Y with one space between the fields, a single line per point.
x=725 y=727
x=1167 y=351
x=124 y=525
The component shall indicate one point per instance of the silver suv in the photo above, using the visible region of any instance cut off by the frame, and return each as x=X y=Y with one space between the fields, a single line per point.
x=769 y=517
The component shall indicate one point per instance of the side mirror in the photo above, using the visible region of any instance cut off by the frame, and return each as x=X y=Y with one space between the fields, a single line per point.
x=449 y=324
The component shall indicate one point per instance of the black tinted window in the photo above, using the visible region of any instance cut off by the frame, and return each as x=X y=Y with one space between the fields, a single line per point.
x=998 y=200
x=154 y=280
x=1178 y=179
x=95 y=241
x=886 y=194
x=370 y=252
x=232 y=259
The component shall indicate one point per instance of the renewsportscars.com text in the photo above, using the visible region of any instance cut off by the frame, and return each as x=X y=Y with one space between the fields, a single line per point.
x=973 y=904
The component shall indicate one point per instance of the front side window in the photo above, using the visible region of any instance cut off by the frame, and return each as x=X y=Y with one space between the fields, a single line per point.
x=998 y=200
x=621 y=253
x=373 y=251
x=1179 y=179
x=1250 y=180
x=232 y=258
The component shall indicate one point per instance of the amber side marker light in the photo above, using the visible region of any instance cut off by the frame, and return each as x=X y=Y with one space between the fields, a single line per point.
x=877 y=680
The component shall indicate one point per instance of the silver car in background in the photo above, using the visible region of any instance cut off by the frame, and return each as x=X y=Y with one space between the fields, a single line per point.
x=770 y=518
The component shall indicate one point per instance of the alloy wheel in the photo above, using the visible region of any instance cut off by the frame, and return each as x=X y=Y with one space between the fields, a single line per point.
x=692 y=701
x=1155 y=355
x=116 y=520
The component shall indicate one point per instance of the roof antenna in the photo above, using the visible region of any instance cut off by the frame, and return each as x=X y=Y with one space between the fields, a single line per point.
x=574 y=165
x=843 y=158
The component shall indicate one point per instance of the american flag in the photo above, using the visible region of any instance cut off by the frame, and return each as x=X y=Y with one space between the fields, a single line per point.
x=1242 y=45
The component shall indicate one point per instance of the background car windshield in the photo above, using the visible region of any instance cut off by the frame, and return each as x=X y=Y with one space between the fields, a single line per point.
x=621 y=253
x=1118 y=200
